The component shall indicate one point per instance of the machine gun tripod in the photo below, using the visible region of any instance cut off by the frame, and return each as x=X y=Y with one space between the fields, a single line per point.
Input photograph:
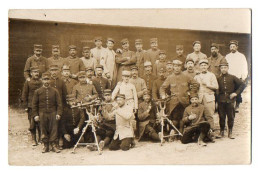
x=162 y=117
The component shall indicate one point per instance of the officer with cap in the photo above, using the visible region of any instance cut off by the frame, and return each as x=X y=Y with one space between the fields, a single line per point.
x=215 y=59
x=27 y=95
x=148 y=75
x=87 y=59
x=75 y=63
x=153 y=52
x=158 y=83
x=197 y=55
x=160 y=63
x=169 y=68
x=36 y=60
x=190 y=68
x=124 y=59
x=180 y=56
x=47 y=109
x=66 y=77
x=229 y=88
x=97 y=52
x=141 y=56
x=100 y=82
x=56 y=59
x=208 y=86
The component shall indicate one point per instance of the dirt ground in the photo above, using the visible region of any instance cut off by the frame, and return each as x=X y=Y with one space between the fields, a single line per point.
x=223 y=151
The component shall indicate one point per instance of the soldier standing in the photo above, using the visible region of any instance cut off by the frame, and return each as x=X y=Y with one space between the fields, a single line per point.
x=56 y=59
x=141 y=56
x=27 y=95
x=148 y=76
x=158 y=83
x=190 y=68
x=69 y=82
x=47 y=108
x=153 y=52
x=160 y=63
x=87 y=59
x=98 y=51
x=36 y=60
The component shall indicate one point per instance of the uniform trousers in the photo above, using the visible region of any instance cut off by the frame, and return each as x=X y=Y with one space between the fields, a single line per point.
x=209 y=111
x=176 y=115
x=123 y=144
x=226 y=110
x=33 y=125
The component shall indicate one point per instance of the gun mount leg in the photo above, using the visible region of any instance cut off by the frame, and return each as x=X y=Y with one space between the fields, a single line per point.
x=96 y=140
x=83 y=132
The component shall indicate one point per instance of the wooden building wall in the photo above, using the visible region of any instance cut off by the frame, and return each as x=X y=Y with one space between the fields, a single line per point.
x=24 y=33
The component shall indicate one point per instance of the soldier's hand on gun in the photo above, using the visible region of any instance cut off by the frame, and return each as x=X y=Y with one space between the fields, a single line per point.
x=57 y=117
x=192 y=116
x=37 y=118
x=76 y=131
x=67 y=137
x=233 y=95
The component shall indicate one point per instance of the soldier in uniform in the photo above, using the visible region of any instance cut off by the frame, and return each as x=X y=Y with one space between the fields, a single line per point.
x=100 y=82
x=36 y=60
x=75 y=63
x=190 y=68
x=148 y=75
x=47 y=109
x=97 y=52
x=179 y=84
x=139 y=83
x=153 y=52
x=229 y=88
x=87 y=59
x=169 y=68
x=197 y=55
x=147 y=117
x=141 y=56
x=180 y=56
x=56 y=59
x=124 y=134
x=158 y=83
x=124 y=59
x=160 y=63
x=208 y=86
x=196 y=125
x=214 y=59
x=83 y=91
x=72 y=122
x=27 y=95
x=90 y=75
x=69 y=82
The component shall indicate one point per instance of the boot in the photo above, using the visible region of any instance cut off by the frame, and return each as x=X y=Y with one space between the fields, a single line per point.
x=101 y=145
x=34 y=143
x=221 y=134
x=39 y=137
x=60 y=146
x=200 y=141
x=230 y=134
x=45 y=147
x=54 y=148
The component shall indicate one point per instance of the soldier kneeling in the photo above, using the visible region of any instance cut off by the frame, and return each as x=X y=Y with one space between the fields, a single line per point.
x=194 y=122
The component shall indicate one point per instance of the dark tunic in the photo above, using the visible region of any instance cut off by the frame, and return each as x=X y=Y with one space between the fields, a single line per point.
x=101 y=84
x=42 y=64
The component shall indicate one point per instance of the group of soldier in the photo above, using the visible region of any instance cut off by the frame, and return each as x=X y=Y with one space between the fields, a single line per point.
x=129 y=84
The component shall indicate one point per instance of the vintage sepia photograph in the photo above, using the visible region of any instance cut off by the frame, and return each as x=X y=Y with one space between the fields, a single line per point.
x=129 y=87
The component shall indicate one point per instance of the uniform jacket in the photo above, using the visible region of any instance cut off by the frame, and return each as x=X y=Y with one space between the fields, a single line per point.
x=90 y=62
x=140 y=86
x=80 y=91
x=54 y=61
x=108 y=60
x=59 y=84
x=124 y=128
x=153 y=55
x=157 y=66
x=141 y=57
x=214 y=64
x=46 y=100
x=149 y=79
x=107 y=112
x=181 y=58
x=156 y=88
x=76 y=64
x=28 y=91
x=96 y=53
x=101 y=84
x=70 y=83
x=196 y=58
x=191 y=74
x=42 y=63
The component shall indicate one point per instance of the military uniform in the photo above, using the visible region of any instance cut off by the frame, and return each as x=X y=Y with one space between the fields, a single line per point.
x=56 y=60
x=153 y=54
x=157 y=85
x=59 y=84
x=96 y=52
x=90 y=61
x=141 y=57
x=192 y=74
x=181 y=57
x=168 y=72
x=159 y=64
x=149 y=78
x=83 y=90
x=214 y=62
x=101 y=84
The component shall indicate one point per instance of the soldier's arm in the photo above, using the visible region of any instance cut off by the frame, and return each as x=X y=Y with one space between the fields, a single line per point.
x=58 y=103
x=164 y=86
x=132 y=59
x=126 y=114
x=213 y=83
x=94 y=92
x=115 y=91
x=27 y=69
x=82 y=119
x=81 y=65
x=154 y=91
x=64 y=91
x=25 y=94
x=142 y=114
x=239 y=85
x=185 y=117
x=135 y=97
x=35 y=104
x=119 y=59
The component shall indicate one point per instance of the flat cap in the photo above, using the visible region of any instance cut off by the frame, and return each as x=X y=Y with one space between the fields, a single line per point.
x=111 y=39
x=138 y=41
x=126 y=73
x=162 y=69
x=98 y=38
x=134 y=67
x=125 y=40
x=162 y=52
x=107 y=91
x=169 y=62
x=233 y=42
x=196 y=42
x=152 y=40
x=177 y=62
x=82 y=74
x=223 y=62
x=34 y=68
x=66 y=67
x=85 y=49
x=147 y=63
x=121 y=96
x=203 y=61
x=89 y=68
x=55 y=47
x=189 y=59
x=37 y=47
x=100 y=66
x=193 y=95
x=147 y=92
x=53 y=66
x=46 y=75
x=179 y=47
x=214 y=45
x=72 y=47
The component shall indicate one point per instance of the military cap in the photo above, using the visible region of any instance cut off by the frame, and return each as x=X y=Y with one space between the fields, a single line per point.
x=189 y=59
x=214 y=45
x=162 y=52
x=85 y=49
x=134 y=67
x=126 y=73
x=223 y=62
x=162 y=69
x=37 y=47
x=82 y=74
x=72 y=47
x=177 y=62
x=55 y=47
x=194 y=94
x=196 y=42
x=98 y=38
x=66 y=67
x=147 y=63
x=169 y=62
x=89 y=68
x=111 y=39
x=147 y=92
x=152 y=40
x=53 y=66
x=100 y=66
x=125 y=40
x=34 y=68
x=138 y=41
x=107 y=91
x=121 y=96
x=203 y=61
x=46 y=75
x=179 y=47
x=233 y=42
x=70 y=97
